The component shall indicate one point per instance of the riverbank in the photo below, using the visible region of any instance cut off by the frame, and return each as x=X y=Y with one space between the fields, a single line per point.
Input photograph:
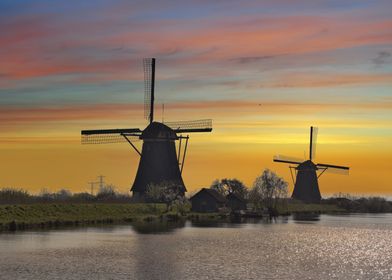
x=47 y=215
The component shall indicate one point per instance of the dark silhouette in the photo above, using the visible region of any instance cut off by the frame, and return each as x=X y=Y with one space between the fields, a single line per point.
x=268 y=192
x=306 y=186
x=165 y=192
x=207 y=200
x=159 y=161
x=228 y=186
x=235 y=202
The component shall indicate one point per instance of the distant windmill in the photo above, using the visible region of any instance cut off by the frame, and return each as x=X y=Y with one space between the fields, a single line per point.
x=159 y=161
x=306 y=184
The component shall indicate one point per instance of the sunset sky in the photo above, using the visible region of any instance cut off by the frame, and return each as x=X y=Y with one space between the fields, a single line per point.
x=264 y=71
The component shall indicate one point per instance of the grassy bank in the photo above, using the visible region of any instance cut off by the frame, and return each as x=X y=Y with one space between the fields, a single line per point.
x=49 y=215
x=311 y=208
x=25 y=216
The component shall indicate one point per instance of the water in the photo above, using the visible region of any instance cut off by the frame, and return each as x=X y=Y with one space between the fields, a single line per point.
x=312 y=247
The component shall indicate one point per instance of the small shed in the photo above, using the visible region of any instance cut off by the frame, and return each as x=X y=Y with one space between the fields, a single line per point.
x=235 y=202
x=207 y=200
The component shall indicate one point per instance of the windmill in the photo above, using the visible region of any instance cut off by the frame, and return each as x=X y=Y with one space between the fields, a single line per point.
x=306 y=183
x=160 y=161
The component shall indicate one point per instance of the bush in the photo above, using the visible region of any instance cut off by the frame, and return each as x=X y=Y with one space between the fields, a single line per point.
x=362 y=205
x=20 y=196
x=106 y=193
x=9 y=195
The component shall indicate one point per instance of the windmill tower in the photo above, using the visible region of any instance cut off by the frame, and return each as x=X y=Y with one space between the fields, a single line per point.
x=306 y=186
x=160 y=161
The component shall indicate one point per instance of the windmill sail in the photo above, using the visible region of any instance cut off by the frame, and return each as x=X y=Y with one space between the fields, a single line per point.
x=149 y=84
x=107 y=136
x=286 y=159
x=190 y=126
x=336 y=169
x=313 y=141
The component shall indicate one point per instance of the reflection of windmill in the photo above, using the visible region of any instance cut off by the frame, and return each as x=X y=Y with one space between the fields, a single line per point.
x=306 y=184
x=159 y=161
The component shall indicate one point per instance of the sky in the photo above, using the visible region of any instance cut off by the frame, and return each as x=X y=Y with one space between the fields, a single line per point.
x=264 y=71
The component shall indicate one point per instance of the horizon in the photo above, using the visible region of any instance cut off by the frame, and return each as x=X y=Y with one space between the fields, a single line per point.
x=264 y=72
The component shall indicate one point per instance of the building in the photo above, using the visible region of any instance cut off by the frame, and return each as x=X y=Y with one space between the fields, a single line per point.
x=207 y=200
x=235 y=202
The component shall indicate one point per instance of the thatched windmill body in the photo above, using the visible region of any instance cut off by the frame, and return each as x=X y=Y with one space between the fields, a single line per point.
x=306 y=187
x=160 y=160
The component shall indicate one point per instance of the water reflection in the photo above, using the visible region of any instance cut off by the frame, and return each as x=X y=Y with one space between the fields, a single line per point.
x=306 y=217
x=238 y=222
x=156 y=258
x=331 y=247
x=157 y=226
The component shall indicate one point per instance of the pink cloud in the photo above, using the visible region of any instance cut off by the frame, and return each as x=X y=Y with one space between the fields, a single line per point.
x=37 y=47
x=112 y=112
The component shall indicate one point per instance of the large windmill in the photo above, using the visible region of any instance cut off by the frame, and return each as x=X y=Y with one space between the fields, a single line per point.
x=159 y=160
x=306 y=183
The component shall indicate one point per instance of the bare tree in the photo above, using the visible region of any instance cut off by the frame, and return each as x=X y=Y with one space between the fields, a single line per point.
x=268 y=190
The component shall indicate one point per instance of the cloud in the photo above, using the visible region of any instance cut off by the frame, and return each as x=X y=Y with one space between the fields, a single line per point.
x=37 y=46
x=222 y=108
x=250 y=59
x=324 y=79
x=381 y=58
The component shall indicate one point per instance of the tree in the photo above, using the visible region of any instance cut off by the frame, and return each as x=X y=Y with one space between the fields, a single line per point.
x=106 y=192
x=166 y=192
x=218 y=186
x=83 y=197
x=45 y=195
x=268 y=189
x=9 y=195
x=63 y=195
x=154 y=193
x=227 y=186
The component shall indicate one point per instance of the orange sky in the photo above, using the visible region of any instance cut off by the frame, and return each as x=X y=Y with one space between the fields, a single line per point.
x=264 y=72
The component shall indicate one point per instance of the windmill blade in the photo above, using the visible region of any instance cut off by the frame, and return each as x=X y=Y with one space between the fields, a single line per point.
x=191 y=126
x=149 y=85
x=333 y=166
x=336 y=169
x=111 y=131
x=107 y=136
x=286 y=159
x=313 y=141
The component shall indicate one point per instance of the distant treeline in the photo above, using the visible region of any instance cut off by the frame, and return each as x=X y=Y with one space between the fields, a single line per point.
x=108 y=194
x=361 y=204
x=105 y=194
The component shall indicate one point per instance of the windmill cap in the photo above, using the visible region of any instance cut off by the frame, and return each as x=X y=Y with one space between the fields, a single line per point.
x=308 y=164
x=157 y=130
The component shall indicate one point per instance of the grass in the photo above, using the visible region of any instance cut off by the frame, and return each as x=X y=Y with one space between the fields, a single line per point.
x=311 y=208
x=23 y=216
x=46 y=215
